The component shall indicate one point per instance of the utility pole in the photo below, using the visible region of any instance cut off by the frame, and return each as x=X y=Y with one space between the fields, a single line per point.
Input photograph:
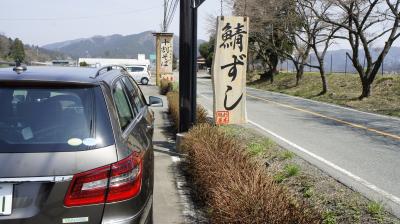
x=188 y=64
x=164 y=25
x=222 y=8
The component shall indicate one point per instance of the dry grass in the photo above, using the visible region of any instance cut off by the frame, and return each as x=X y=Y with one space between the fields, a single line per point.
x=173 y=105
x=234 y=186
x=343 y=90
x=166 y=86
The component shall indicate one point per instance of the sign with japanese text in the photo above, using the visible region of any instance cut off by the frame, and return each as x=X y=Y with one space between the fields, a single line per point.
x=166 y=54
x=229 y=70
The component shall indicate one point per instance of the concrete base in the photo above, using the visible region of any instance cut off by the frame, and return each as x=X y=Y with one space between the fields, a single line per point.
x=179 y=140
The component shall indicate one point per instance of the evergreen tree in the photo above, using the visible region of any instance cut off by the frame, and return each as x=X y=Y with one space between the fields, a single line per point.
x=17 y=51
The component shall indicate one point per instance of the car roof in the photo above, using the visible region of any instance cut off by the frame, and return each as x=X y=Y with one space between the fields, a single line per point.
x=53 y=74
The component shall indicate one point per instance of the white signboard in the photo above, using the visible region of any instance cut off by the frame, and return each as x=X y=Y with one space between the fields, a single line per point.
x=166 y=55
x=229 y=70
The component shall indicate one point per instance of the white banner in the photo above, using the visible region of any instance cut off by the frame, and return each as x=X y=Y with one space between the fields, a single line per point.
x=229 y=70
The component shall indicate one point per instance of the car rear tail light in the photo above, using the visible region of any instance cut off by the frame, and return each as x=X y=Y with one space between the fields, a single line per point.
x=88 y=187
x=126 y=179
x=116 y=182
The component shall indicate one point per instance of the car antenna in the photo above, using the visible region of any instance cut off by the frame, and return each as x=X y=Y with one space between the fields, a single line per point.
x=19 y=68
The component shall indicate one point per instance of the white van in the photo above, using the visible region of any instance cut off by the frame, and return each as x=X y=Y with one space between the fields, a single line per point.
x=140 y=73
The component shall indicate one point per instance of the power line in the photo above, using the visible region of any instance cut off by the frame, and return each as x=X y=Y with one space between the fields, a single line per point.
x=81 y=17
x=170 y=7
x=173 y=13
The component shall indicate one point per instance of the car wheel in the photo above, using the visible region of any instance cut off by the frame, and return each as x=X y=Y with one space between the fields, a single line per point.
x=145 y=81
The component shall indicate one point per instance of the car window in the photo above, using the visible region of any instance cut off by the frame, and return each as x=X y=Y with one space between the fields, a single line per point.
x=36 y=119
x=134 y=94
x=135 y=69
x=122 y=104
x=139 y=91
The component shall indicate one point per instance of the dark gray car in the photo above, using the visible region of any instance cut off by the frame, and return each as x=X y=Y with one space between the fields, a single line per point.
x=75 y=147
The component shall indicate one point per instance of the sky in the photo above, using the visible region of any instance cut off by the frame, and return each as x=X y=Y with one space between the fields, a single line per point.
x=41 y=22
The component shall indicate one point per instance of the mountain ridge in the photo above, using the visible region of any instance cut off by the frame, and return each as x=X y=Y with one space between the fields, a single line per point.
x=111 y=46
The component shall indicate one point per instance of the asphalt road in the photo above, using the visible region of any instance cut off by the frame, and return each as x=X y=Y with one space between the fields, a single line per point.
x=359 y=149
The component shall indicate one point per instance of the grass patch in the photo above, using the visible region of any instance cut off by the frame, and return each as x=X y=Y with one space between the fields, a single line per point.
x=343 y=90
x=329 y=218
x=287 y=155
x=376 y=210
x=290 y=170
x=308 y=192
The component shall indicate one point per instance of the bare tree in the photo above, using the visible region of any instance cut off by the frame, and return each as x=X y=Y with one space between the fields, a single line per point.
x=270 y=20
x=321 y=33
x=364 y=23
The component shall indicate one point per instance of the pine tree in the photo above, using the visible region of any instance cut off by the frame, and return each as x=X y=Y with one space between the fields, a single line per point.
x=17 y=51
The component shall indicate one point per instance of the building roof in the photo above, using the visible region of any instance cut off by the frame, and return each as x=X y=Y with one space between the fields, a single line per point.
x=51 y=74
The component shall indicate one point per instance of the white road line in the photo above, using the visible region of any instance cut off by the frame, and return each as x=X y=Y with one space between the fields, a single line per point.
x=363 y=182
x=332 y=165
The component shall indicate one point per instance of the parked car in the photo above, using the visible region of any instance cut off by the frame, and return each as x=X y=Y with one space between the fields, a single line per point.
x=75 y=147
x=141 y=74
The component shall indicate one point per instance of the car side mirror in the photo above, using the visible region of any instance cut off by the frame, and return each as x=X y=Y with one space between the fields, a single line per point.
x=155 y=102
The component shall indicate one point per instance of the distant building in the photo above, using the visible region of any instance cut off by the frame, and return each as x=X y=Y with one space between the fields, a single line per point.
x=101 y=62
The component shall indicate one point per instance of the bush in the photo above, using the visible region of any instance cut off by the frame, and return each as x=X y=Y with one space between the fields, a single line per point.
x=173 y=105
x=236 y=188
x=166 y=86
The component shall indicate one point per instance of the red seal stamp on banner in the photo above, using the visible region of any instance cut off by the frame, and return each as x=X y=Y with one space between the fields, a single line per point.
x=222 y=117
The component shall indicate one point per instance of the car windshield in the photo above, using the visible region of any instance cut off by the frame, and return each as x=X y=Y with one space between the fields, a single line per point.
x=48 y=119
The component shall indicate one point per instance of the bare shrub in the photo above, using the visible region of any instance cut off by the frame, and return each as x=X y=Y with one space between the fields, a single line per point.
x=235 y=187
x=166 y=86
x=173 y=105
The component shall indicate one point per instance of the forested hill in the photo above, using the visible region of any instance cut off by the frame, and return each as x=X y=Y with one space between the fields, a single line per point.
x=32 y=53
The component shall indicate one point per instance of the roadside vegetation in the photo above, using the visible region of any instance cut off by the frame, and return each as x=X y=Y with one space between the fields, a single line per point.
x=239 y=176
x=344 y=90
x=170 y=89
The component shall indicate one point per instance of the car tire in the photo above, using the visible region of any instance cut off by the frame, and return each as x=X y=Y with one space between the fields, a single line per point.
x=145 y=81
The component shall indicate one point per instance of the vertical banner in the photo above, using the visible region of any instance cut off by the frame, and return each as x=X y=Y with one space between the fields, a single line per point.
x=229 y=70
x=164 y=59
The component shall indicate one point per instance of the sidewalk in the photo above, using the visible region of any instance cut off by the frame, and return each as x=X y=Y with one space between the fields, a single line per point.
x=169 y=202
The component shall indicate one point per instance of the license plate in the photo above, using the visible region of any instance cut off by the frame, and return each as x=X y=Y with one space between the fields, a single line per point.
x=6 y=196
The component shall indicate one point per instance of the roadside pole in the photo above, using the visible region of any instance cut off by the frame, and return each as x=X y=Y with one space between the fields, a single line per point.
x=188 y=64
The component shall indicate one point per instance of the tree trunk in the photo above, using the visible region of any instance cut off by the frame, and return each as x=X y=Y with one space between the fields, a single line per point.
x=366 y=89
x=299 y=74
x=323 y=79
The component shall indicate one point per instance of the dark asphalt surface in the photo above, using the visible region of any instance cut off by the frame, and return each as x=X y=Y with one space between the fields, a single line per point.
x=361 y=150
